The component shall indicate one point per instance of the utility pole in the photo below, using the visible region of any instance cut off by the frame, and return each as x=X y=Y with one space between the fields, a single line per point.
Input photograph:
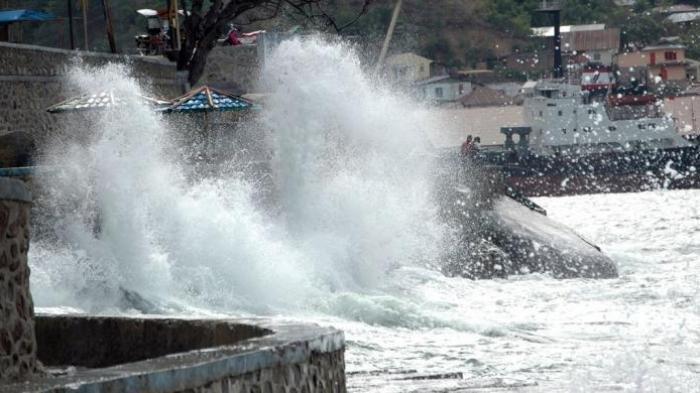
x=70 y=23
x=389 y=34
x=83 y=5
x=110 y=30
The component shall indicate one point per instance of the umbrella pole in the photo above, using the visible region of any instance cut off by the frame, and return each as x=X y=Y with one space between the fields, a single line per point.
x=207 y=143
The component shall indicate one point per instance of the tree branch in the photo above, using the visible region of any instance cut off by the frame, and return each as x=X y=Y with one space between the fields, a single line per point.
x=204 y=29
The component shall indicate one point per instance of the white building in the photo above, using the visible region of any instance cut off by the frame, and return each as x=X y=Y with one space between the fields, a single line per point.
x=406 y=68
x=444 y=88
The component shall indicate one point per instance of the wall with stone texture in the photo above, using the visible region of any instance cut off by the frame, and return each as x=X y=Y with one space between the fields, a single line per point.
x=17 y=337
x=32 y=78
x=235 y=69
x=322 y=373
x=169 y=355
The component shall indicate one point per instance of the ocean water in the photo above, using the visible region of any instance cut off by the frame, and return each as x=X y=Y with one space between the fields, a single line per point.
x=637 y=333
x=355 y=242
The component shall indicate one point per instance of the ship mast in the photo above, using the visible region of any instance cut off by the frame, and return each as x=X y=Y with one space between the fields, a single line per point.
x=553 y=9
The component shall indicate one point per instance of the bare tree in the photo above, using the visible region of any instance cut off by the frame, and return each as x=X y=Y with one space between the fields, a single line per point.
x=205 y=24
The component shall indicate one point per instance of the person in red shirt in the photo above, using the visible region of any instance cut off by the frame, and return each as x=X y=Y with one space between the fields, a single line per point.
x=233 y=37
x=468 y=148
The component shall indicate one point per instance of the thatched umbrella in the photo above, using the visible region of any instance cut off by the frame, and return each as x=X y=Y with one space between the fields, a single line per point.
x=102 y=100
x=206 y=99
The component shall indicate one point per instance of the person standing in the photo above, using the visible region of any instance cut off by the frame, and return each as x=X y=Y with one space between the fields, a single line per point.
x=467 y=147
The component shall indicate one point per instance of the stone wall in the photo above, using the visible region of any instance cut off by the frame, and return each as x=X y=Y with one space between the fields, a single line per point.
x=322 y=373
x=119 y=354
x=235 y=69
x=32 y=78
x=17 y=338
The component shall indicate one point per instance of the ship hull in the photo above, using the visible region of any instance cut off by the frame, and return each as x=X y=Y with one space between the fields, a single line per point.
x=675 y=168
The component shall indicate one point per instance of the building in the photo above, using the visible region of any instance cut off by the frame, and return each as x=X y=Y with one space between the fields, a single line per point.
x=548 y=31
x=597 y=46
x=444 y=88
x=673 y=9
x=684 y=17
x=589 y=43
x=692 y=69
x=678 y=13
x=662 y=65
x=497 y=81
x=407 y=68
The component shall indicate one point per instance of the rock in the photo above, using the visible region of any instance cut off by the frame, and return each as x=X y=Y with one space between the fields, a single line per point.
x=502 y=233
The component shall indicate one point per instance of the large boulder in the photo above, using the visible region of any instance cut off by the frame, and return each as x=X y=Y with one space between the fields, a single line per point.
x=501 y=233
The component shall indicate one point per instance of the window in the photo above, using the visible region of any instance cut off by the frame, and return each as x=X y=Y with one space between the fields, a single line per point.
x=596 y=56
x=612 y=128
x=438 y=92
x=641 y=126
x=561 y=113
x=422 y=68
x=540 y=113
x=670 y=56
x=591 y=111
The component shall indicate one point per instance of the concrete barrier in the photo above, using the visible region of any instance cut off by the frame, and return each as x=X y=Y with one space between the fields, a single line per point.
x=117 y=354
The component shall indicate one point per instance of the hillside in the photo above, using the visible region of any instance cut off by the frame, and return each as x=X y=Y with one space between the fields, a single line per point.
x=459 y=33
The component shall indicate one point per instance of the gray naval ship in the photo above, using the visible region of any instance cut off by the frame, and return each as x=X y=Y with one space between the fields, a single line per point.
x=591 y=137
x=574 y=142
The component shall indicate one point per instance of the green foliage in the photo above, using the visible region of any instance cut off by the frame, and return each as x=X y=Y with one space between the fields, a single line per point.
x=512 y=74
x=642 y=29
x=436 y=48
x=513 y=16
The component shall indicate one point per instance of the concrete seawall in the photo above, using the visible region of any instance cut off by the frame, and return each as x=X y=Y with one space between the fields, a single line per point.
x=113 y=354
x=60 y=353
x=32 y=78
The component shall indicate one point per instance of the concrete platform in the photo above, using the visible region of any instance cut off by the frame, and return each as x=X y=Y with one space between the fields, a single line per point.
x=117 y=354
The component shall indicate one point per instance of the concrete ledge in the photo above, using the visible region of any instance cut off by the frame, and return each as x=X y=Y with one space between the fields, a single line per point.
x=61 y=79
x=231 y=355
x=14 y=190
x=77 y=52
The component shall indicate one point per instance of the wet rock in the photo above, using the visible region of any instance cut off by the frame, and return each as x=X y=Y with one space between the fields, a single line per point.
x=502 y=234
